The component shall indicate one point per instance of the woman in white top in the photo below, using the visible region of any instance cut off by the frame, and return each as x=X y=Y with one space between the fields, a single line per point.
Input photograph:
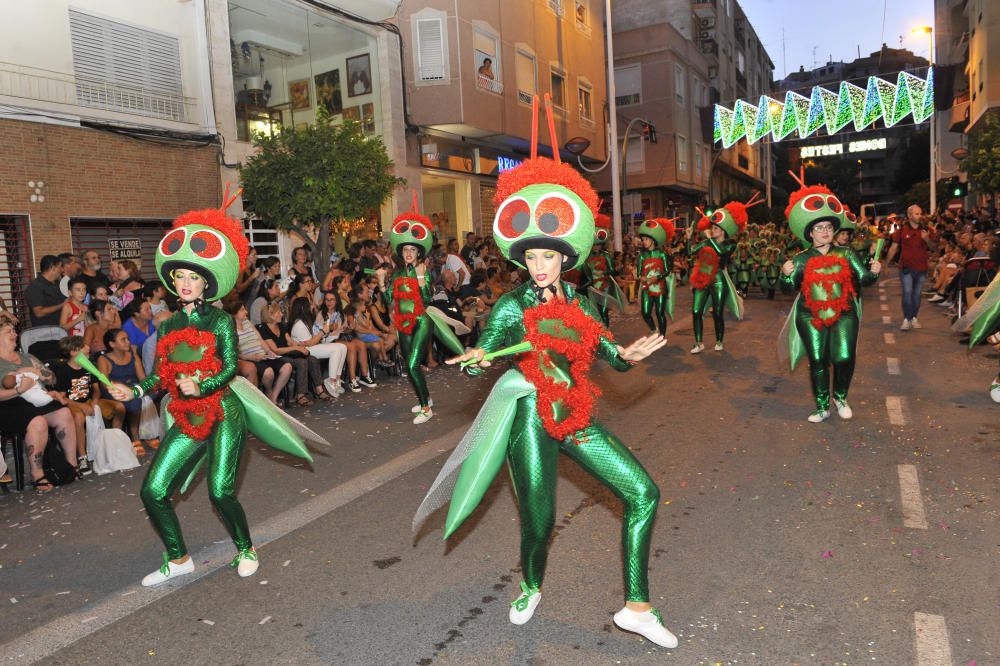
x=301 y=317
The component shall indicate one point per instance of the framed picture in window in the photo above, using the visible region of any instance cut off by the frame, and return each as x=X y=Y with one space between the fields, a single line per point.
x=359 y=75
x=328 y=91
x=368 y=117
x=353 y=113
x=298 y=94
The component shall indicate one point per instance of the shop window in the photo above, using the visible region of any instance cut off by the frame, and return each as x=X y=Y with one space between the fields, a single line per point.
x=16 y=265
x=680 y=82
x=682 y=153
x=126 y=68
x=486 y=49
x=628 y=85
x=107 y=235
x=557 y=78
x=526 y=68
x=585 y=98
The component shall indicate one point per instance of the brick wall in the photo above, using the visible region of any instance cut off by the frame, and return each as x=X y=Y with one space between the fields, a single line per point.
x=92 y=173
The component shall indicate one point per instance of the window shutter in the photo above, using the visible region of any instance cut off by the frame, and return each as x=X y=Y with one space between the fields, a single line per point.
x=430 y=49
x=628 y=85
x=125 y=68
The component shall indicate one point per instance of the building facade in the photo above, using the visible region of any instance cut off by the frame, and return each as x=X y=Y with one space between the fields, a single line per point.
x=108 y=125
x=470 y=72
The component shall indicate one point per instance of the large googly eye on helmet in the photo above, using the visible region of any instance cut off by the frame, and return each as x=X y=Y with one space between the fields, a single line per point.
x=717 y=217
x=834 y=204
x=852 y=217
x=173 y=242
x=602 y=235
x=401 y=227
x=418 y=231
x=512 y=219
x=814 y=202
x=556 y=215
x=208 y=244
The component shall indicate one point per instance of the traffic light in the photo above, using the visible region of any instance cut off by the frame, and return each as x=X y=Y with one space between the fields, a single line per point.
x=959 y=189
x=649 y=132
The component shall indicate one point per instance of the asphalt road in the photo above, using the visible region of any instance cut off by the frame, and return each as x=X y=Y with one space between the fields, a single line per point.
x=777 y=541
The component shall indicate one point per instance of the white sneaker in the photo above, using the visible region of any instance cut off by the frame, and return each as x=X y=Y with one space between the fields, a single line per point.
x=844 y=410
x=246 y=562
x=648 y=624
x=819 y=416
x=914 y=323
x=333 y=387
x=936 y=298
x=698 y=348
x=718 y=346
x=905 y=326
x=522 y=608
x=168 y=571
x=995 y=391
x=416 y=409
x=423 y=416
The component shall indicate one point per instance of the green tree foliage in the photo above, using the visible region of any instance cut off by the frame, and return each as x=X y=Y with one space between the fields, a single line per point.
x=317 y=180
x=920 y=194
x=983 y=163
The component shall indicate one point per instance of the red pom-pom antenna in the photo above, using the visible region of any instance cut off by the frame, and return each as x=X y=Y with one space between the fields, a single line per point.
x=602 y=221
x=218 y=220
x=414 y=215
x=668 y=227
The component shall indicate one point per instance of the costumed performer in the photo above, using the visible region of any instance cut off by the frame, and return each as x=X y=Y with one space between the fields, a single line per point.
x=710 y=282
x=656 y=278
x=408 y=299
x=545 y=222
x=983 y=318
x=209 y=408
x=597 y=275
x=825 y=317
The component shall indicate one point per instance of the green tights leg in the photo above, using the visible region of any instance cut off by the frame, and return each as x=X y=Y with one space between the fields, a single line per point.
x=654 y=305
x=414 y=348
x=532 y=460
x=174 y=460
x=834 y=345
x=715 y=294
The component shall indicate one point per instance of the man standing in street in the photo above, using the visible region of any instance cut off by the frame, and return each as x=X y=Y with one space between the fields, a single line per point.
x=469 y=249
x=43 y=296
x=454 y=263
x=913 y=243
x=91 y=273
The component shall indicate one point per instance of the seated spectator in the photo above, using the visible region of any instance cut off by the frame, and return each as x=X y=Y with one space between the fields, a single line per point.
x=128 y=283
x=330 y=317
x=267 y=292
x=78 y=390
x=301 y=319
x=122 y=364
x=19 y=416
x=257 y=363
x=369 y=337
x=138 y=322
x=155 y=293
x=43 y=297
x=341 y=286
x=73 y=317
x=301 y=263
x=308 y=370
x=105 y=317
x=302 y=286
x=245 y=283
x=6 y=312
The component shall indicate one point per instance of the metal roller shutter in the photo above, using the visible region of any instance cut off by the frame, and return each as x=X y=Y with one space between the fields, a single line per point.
x=95 y=234
x=16 y=265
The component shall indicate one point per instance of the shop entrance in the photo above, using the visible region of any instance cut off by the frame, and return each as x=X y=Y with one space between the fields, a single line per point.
x=448 y=202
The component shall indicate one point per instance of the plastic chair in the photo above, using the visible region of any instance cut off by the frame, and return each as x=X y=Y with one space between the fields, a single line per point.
x=977 y=273
x=15 y=462
x=37 y=334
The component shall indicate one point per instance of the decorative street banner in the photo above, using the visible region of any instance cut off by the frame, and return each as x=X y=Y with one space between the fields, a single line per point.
x=125 y=248
x=834 y=110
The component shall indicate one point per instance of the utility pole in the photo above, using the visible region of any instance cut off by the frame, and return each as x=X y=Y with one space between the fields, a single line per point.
x=616 y=196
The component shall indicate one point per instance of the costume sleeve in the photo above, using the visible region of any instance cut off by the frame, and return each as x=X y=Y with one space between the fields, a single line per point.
x=607 y=348
x=791 y=283
x=227 y=347
x=387 y=292
x=153 y=378
x=668 y=261
x=865 y=276
x=694 y=249
x=586 y=278
x=506 y=315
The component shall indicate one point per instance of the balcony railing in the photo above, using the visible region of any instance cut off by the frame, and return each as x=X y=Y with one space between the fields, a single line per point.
x=40 y=85
x=524 y=97
x=486 y=83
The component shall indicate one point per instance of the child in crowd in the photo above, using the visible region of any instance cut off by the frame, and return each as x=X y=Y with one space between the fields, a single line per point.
x=374 y=339
x=105 y=317
x=121 y=364
x=73 y=316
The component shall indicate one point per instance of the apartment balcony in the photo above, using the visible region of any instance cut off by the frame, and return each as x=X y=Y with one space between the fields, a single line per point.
x=62 y=93
x=709 y=47
x=958 y=118
x=704 y=8
x=489 y=84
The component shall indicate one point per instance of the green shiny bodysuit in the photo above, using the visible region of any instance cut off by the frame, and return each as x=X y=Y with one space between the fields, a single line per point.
x=406 y=298
x=532 y=456
x=597 y=273
x=654 y=267
x=715 y=292
x=834 y=344
x=179 y=453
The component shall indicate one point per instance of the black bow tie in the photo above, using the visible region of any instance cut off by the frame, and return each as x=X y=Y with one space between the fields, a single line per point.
x=540 y=291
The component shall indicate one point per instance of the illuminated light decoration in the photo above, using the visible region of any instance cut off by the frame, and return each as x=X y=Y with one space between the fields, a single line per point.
x=803 y=116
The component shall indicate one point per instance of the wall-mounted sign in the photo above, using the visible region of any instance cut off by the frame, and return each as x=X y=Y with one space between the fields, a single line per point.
x=125 y=248
x=506 y=163
x=828 y=149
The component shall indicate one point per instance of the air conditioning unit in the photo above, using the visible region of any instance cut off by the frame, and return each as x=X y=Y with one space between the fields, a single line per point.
x=706 y=34
x=708 y=22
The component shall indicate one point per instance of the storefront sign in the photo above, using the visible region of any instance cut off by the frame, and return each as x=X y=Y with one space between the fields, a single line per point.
x=506 y=163
x=828 y=149
x=125 y=248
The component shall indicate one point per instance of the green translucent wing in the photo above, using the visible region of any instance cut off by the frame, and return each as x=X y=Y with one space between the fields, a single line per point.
x=790 y=346
x=671 y=290
x=733 y=300
x=983 y=316
x=271 y=425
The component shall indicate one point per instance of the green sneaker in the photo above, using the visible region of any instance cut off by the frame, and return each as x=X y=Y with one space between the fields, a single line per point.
x=246 y=562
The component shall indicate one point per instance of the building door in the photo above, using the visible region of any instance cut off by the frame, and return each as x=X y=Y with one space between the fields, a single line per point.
x=16 y=264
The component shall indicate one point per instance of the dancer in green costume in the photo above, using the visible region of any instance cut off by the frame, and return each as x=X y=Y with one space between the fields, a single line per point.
x=982 y=321
x=597 y=275
x=656 y=278
x=210 y=408
x=743 y=267
x=823 y=324
x=545 y=222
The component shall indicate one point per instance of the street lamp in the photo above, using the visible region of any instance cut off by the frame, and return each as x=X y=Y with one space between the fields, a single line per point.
x=929 y=31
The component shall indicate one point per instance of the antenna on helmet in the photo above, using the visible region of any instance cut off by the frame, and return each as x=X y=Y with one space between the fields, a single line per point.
x=228 y=201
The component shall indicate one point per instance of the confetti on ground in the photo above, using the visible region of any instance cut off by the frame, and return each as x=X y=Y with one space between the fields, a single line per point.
x=827 y=553
x=208 y=622
x=59 y=594
x=88 y=619
x=13 y=600
x=287 y=562
x=265 y=620
x=263 y=582
x=125 y=594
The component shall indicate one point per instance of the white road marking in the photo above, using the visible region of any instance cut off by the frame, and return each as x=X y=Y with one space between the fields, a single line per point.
x=890 y=338
x=67 y=629
x=896 y=407
x=892 y=365
x=886 y=319
x=933 y=647
x=883 y=307
x=913 y=503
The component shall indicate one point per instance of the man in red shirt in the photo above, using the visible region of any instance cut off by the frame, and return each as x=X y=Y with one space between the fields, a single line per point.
x=913 y=243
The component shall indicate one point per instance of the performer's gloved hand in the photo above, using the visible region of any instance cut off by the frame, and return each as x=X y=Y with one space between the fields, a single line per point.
x=476 y=356
x=788 y=267
x=641 y=348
